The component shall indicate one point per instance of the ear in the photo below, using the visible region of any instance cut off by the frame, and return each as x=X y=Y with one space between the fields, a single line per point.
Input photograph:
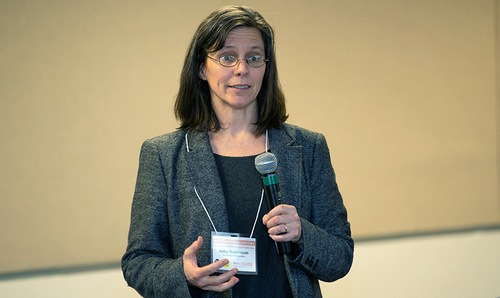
x=201 y=73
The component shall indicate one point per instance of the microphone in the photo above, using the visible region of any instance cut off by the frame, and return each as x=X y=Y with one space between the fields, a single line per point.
x=266 y=164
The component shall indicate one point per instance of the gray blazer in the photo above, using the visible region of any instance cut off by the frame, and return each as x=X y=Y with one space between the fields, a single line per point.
x=167 y=215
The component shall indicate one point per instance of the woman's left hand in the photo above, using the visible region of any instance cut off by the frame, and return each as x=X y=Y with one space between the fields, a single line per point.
x=283 y=223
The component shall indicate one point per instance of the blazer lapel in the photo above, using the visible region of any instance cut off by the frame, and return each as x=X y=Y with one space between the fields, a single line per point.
x=201 y=162
x=289 y=156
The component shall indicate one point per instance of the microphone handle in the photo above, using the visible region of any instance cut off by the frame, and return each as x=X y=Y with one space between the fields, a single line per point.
x=273 y=199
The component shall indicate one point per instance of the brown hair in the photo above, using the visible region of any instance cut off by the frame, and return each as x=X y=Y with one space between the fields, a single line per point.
x=193 y=106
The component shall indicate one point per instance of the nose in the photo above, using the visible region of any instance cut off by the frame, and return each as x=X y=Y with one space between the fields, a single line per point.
x=241 y=68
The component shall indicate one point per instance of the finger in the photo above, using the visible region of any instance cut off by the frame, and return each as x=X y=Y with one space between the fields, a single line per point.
x=221 y=278
x=213 y=267
x=275 y=223
x=192 y=250
x=279 y=229
x=276 y=211
x=293 y=232
x=195 y=246
x=216 y=282
x=284 y=212
x=224 y=286
x=274 y=220
x=282 y=236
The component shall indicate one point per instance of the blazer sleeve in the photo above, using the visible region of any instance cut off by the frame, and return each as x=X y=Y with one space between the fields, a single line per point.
x=328 y=248
x=147 y=264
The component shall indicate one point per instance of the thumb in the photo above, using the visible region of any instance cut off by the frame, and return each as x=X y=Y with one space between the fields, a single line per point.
x=193 y=249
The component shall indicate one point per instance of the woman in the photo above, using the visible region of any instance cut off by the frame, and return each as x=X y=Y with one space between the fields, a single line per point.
x=200 y=180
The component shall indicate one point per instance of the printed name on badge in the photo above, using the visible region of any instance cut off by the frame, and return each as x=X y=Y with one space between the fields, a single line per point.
x=240 y=251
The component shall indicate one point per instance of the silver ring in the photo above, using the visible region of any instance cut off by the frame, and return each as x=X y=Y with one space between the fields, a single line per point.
x=286 y=228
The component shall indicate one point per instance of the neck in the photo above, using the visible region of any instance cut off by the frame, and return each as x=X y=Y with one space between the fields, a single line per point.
x=237 y=142
x=237 y=135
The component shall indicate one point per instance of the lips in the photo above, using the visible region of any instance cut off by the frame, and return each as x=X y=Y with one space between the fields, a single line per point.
x=240 y=87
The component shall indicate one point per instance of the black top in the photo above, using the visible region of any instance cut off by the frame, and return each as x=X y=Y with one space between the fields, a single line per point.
x=242 y=188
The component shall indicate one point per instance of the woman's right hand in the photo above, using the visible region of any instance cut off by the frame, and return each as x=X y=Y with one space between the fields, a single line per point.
x=202 y=277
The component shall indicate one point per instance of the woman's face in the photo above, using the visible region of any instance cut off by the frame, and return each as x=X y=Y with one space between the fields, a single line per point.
x=236 y=87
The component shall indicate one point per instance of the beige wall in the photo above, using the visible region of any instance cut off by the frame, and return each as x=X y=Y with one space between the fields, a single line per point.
x=406 y=93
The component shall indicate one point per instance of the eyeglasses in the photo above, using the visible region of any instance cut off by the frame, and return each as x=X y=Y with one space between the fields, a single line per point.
x=230 y=61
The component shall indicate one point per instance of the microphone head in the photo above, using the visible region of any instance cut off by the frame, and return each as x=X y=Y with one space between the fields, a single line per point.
x=266 y=163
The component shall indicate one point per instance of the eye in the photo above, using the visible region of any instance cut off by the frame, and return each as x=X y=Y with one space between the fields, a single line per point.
x=255 y=58
x=226 y=58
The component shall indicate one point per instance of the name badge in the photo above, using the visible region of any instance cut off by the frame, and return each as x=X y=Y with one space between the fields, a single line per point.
x=240 y=251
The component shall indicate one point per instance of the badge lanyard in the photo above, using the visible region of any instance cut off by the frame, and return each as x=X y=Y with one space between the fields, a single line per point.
x=203 y=205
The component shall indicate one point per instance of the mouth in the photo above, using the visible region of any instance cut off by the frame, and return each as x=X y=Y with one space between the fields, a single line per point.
x=240 y=87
